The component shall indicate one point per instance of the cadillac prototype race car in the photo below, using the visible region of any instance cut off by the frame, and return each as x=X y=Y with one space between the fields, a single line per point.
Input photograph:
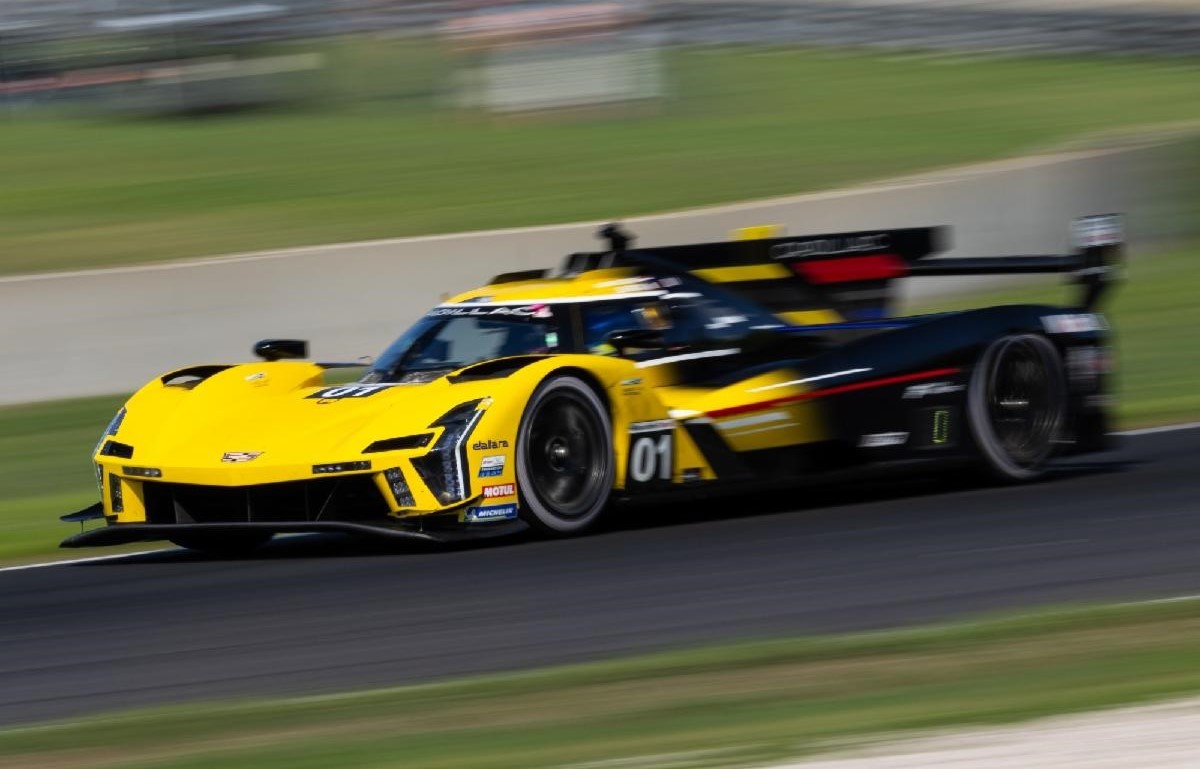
x=540 y=398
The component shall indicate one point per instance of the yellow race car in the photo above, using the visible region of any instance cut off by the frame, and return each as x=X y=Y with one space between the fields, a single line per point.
x=535 y=401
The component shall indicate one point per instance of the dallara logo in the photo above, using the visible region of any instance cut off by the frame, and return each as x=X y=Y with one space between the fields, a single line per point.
x=489 y=445
x=240 y=456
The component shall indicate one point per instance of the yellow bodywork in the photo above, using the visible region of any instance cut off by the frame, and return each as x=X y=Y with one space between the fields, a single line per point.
x=265 y=417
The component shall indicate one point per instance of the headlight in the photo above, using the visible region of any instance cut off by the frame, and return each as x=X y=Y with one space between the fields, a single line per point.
x=113 y=426
x=444 y=468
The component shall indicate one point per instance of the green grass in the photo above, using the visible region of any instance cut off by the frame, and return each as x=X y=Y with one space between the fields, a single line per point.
x=45 y=470
x=373 y=160
x=756 y=701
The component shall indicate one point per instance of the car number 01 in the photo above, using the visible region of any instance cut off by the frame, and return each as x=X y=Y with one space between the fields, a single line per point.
x=650 y=458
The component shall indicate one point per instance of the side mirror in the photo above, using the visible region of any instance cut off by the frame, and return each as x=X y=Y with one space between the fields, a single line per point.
x=281 y=349
x=636 y=338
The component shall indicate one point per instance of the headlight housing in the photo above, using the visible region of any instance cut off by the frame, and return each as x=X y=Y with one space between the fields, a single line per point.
x=113 y=426
x=444 y=468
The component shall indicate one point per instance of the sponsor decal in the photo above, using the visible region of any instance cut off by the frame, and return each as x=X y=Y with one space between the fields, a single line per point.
x=499 y=490
x=1074 y=323
x=916 y=391
x=692 y=474
x=880 y=440
x=492 y=513
x=802 y=249
x=256 y=376
x=524 y=311
x=1093 y=231
x=240 y=456
x=652 y=426
x=489 y=445
x=348 y=391
x=491 y=466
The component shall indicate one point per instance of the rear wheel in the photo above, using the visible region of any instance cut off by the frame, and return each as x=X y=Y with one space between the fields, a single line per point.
x=564 y=457
x=227 y=545
x=1017 y=403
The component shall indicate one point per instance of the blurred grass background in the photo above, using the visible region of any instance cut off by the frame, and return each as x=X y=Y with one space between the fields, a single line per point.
x=378 y=152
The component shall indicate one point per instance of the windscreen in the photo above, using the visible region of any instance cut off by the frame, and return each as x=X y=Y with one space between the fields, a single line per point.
x=450 y=338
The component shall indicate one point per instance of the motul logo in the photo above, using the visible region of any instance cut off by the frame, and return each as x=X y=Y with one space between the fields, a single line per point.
x=501 y=490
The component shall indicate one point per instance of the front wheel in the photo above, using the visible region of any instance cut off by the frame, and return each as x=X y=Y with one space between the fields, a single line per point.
x=565 y=463
x=1017 y=402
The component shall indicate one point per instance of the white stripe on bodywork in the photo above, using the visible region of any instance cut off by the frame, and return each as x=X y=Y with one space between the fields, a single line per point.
x=757 y=419
x=743 y=433
x=687 y=356
x=806 y=380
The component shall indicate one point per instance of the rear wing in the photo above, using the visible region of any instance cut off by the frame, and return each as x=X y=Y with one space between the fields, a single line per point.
x=823 y=278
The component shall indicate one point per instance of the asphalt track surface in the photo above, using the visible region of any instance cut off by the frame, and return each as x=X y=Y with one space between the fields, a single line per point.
x=323 y=613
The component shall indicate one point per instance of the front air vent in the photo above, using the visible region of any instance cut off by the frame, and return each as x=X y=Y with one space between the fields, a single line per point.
x=116 y=449
x=400 y=444
x=347 y=498
x=116 y=498
x=495 y=369
x=188 y=378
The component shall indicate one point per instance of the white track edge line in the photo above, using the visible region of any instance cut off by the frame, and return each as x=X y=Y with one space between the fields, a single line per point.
x=1160 y=429
x=68 y=562
x=1142 y=431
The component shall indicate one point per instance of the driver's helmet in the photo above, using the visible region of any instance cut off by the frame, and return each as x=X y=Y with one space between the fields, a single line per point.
x=600 y=320
x=653 y=316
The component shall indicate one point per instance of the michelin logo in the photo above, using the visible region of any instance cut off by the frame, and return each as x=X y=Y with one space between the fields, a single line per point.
x=491 y=466
x=493 y=513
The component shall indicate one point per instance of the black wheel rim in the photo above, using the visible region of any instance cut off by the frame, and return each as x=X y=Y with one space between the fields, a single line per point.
x=1023 y=402
x=565 y=454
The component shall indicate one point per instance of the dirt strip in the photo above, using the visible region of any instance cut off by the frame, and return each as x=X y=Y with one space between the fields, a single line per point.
x=1164 y=736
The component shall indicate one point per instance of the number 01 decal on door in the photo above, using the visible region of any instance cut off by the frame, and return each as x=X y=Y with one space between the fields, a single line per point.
x=651 y=454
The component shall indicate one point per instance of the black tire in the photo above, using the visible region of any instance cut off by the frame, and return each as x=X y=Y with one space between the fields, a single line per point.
x=1017 y=403
x=564 y=457
x=225 y=545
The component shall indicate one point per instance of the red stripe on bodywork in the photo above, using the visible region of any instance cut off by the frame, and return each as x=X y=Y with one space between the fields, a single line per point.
x=837 y=390
x=852 y=269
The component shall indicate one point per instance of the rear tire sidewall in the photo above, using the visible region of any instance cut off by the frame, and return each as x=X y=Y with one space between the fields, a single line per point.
x=996 y=458
x=535 y=509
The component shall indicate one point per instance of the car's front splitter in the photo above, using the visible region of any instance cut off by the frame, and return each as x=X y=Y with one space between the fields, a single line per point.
x=122 y=533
